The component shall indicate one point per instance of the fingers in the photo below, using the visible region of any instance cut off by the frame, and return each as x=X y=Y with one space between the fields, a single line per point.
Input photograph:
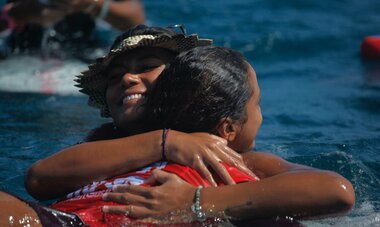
x=229 y=152
x=220 y=139
x=230 y=157
x=125 y=198
x=247 y=171
x=130 y=211
x=135 y=189
x=208 y=151
x=202 y=169
x=215 y=152
x=224 y=156
x=140 y=202
x=210 y=137
x=137 y=197
x=161 y=176
x=221 y=171
x=236 y=161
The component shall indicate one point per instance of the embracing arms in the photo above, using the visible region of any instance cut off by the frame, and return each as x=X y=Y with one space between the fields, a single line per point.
x=82 y=164
x=285 y=189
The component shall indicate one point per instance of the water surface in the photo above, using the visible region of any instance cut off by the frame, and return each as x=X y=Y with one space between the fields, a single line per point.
x=320 y=101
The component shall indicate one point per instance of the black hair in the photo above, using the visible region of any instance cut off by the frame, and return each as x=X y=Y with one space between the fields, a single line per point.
x=199 y=88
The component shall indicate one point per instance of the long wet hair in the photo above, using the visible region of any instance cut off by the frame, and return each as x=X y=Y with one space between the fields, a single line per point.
x=199 y=88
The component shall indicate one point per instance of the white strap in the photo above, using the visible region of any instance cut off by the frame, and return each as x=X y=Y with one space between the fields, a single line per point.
x=104 y=10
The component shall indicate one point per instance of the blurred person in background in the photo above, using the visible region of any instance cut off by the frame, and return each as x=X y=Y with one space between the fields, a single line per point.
x=61 y=28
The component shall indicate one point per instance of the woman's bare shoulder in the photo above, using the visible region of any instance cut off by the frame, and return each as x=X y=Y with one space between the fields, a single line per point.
x=254 y=156
x=267 y=164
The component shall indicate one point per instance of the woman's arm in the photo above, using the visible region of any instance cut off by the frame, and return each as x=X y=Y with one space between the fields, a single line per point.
x=298 y=194
x=121 y=14
x=33 y=11
x=82 y=164
x=285 y=189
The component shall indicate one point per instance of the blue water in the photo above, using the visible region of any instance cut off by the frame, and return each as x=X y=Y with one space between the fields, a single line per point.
x=320 y=101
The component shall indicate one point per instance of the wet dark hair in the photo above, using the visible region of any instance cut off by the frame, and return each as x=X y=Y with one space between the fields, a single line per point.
x=199 y=88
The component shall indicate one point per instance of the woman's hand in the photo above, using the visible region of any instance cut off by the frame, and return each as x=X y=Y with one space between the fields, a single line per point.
x=142 y=202
x=26 y=11
x=75 y=5
x=46 y=12
x=203 y=152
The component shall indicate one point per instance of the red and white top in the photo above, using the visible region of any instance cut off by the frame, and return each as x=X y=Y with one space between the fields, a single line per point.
x=87 y=201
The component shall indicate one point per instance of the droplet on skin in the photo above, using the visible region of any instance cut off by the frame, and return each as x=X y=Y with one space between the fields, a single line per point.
x=11 y=220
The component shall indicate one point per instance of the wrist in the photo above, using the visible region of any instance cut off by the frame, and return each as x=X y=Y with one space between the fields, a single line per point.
x=164 y=148
x=213 y=204
x=98 y=8
x=196 y=207
x=92 y=7
x=170 y=145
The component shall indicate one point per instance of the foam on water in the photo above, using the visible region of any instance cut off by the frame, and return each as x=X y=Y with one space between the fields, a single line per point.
x=36 y=75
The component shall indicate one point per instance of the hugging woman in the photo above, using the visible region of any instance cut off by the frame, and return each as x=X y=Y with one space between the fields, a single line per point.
x=224 y=83
x=207 y=89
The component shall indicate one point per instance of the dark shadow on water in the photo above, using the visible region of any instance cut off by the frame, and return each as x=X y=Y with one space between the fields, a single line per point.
x=367 y=104
x=366 y=98
x=371 y=72
x=296 y=120
x=274 y=222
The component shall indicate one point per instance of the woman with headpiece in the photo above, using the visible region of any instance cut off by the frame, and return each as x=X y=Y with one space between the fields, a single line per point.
x=145 y=51
x=214 y=90
x=131 y=82
x=141 y=54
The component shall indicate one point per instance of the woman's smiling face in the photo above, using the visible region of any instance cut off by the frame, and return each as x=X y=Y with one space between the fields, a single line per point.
x=130 y=77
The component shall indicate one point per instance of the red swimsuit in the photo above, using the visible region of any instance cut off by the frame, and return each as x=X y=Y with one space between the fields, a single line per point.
x=87 y=202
